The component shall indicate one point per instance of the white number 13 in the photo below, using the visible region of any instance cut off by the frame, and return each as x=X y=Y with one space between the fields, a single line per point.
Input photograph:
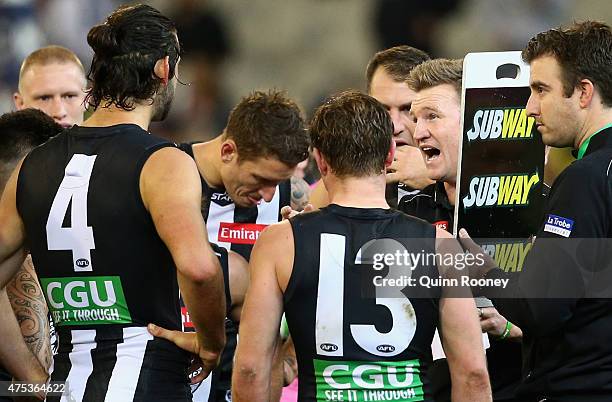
x=330 y=306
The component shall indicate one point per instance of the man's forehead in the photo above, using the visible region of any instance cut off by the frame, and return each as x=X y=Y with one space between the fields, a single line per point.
x=65 y=73
x=382 y=79
x=268 y=167
x=434 y=97
x=543 y=70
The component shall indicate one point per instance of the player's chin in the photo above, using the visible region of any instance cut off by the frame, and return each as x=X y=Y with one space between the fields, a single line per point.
x=435 y=173
x=247 y=201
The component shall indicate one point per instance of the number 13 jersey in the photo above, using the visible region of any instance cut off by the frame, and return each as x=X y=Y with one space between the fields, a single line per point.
x=358 y=338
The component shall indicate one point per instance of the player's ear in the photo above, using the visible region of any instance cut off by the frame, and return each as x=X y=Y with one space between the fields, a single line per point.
x=162 y=69
x=18 y=99
x=321 y=162
x=229 y=151
x=587 y=89
x=390 y=155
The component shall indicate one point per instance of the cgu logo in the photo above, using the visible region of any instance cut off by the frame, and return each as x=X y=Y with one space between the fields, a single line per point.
x=328 y=347
x=505 y=123
x=81 y=294
x=369 y=375
x=500 y=191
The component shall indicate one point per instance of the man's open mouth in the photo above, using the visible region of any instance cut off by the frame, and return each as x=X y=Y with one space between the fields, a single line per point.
x=431 y=153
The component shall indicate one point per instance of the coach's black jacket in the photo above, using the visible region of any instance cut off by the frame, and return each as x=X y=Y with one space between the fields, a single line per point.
x=565 y=287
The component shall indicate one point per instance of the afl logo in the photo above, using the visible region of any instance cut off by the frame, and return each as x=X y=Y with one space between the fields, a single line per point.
x=328 y=347
x=385 y=348
x=82 y=262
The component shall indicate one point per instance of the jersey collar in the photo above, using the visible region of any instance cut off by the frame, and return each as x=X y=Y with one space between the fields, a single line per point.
x=439 y=196
x=585 y=145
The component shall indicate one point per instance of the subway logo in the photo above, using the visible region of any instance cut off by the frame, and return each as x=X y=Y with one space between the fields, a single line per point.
x=501 y=124
x=500 y=191
x=509 y=255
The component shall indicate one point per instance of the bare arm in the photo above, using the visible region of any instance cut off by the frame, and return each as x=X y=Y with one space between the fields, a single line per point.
x=461 y=334
x=462 y=341
x=300 y=193
x=12 y=231
x=171 y=191
x=14 y=354
x=30 y=308
x=262 y=313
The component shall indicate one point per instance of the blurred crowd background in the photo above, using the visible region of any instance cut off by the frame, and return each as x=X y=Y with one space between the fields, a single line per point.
x=311 y=48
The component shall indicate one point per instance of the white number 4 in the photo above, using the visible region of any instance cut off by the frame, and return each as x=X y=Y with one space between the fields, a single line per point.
x=78 y=237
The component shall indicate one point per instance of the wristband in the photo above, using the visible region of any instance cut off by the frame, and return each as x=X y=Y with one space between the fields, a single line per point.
x=506 y=332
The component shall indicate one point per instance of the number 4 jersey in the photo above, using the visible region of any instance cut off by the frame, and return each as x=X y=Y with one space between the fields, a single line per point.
x=358 y=338
x=103 y=269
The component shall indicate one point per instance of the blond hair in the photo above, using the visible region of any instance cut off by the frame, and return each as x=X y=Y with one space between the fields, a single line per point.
x=437 y=72
x=47 y=55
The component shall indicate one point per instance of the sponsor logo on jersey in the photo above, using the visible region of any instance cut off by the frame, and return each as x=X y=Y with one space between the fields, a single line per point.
x=558 y=225
x=368 y=381
x=89 y=300
x=510 y=255
x=186 y=319
x=328 y=347
x=239 y=233
x=221 y=199
x=501 y=124
x=442 y=225
x=500 y=191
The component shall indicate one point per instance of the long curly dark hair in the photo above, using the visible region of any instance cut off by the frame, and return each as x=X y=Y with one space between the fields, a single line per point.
x=127 y=46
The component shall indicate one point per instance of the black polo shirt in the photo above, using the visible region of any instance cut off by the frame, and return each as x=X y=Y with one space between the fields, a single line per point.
x=431 y=204
x=567 y=352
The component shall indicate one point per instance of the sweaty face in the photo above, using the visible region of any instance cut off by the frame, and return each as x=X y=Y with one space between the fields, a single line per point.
x=251 y=181
x=57 y=89
x=396 y=97
x=556 y=116
x=437 y=113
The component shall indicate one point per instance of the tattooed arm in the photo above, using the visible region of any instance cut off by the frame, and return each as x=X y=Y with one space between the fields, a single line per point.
x=300 y=192
x=30 y=308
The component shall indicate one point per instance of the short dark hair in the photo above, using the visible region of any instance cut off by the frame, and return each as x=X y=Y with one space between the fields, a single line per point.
x=126 y=47
x=353 y=131
x=268 y=124
x=21 y=131
x=583 y=50
x=397 y=61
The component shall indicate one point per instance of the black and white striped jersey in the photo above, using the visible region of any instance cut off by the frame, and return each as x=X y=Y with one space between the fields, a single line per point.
x=234 y=228
x=104 y=271
x=119 y=364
